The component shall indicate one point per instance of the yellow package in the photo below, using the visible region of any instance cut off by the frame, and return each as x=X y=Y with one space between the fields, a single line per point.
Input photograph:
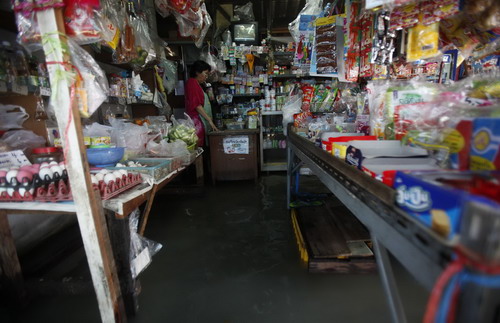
x=339 y=150
x=423 y=42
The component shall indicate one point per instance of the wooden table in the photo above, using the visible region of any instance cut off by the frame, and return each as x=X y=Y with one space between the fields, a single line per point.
x=117 y=211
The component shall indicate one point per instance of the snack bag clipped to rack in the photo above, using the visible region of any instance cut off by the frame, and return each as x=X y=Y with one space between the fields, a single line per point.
x=91 y=84
x=126 y=51
x=110 y=24
x=81 y=20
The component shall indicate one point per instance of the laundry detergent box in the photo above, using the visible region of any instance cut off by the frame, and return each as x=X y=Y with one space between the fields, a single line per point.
x=439 y=198
x=485 y=144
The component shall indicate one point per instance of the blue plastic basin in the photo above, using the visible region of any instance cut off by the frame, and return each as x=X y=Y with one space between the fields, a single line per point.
x=105 y=157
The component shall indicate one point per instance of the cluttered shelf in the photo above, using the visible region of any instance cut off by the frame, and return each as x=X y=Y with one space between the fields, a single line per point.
x=421 y=251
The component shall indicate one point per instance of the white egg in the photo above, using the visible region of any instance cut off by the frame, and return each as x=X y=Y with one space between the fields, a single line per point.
x=130 y=163
x=45 y=173
x=53 y=163
x=120 y=165
x=104 y=171
x=10 y=192
x=99 y=177
x=44 y=164
x=123 y=172
x=109 y=178
x=11 y=174
x=94 y=180
x=56 y=169
x=117 y=174
x=22 y=191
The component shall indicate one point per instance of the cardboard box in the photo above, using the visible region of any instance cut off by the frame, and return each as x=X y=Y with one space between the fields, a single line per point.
x=485 y=144
x=431 y=198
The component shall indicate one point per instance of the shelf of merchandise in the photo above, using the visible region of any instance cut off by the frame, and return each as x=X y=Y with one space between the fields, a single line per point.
x=249 y=95
x=422 y=252
x=271 y=113
x=305 y=75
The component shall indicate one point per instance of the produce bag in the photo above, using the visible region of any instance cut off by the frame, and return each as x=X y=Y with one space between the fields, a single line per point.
x=244 y=12
x=110 y=24
x=207 y=22
x=126 y=51
x=167 y=149
x=169 y=75
x=141 y=248
x=290 y=108
x=12 y=117
x=144 y=46
x=81 y=20
x=185 y=130
x=24 y=140
x=91 y=84
x=131 y=136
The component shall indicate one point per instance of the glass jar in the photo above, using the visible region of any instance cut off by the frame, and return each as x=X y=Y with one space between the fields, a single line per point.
x=46 y=154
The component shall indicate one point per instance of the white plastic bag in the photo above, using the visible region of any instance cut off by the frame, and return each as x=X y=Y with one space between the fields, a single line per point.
x=244 y=13
x=131 y=136
x=24 y=140
x=167 y=149
x=292 y=106
x=312 y=7
x=141 y=249
x=12 y=117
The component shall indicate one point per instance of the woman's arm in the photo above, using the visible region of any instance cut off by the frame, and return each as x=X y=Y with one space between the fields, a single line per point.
x=202 y=112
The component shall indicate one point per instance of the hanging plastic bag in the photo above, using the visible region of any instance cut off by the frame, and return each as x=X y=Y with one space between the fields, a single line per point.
x=162 y=8
x=91 y=85
x=244 y=13
x=24 y=140
x=207 y=22
x=81 y=20
x=110 y=24
x=312 y=7
x=27 y=25
x=125 y=52
x=141 y=249
x=209 y=58
x=291 y=107
x=144 y=46
x=169 y=75
x=12 y=117
x=167 y=149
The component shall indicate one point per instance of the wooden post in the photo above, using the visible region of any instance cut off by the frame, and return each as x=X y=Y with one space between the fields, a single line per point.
x=89 y=208
x=9 y=262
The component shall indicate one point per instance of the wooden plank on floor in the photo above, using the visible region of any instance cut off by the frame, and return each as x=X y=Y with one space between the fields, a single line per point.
x=342 y=266
x=359 y=249
x=322 y=236
x=348 y=224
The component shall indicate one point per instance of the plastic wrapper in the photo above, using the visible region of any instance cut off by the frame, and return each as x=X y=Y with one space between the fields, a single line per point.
x=385 y=96
x=91 y=84
x=110 y=24
x=207 y=22
x=169 y=75
x=126 y=51
x=312 y=7
x=27 y=26
x=423 y=42
x=131 y=136
x=290 y=108
x=326 y=48
x=24 y=140
x=144 y=45
x=141 y=248
x=167 y=149
x=97 y=130
x=81 y=20
x=12 y=117
x=190 y=23
x=185 y=130
x=162 y=8
x=244 y=13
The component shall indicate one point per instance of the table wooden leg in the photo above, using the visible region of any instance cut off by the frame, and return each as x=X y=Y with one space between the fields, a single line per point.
x=199 y=171
x=147 y=210
x=119 y=234
x=9 y=262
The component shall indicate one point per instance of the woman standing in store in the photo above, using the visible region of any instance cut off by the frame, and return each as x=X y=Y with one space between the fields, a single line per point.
x=197 y=102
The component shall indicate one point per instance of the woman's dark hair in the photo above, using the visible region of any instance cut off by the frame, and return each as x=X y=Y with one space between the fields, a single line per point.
x=198 y=67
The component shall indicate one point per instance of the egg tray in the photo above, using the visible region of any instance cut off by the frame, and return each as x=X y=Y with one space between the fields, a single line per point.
x=54 y=192
x=119 y=186
x=41 y=187
x=156 y=168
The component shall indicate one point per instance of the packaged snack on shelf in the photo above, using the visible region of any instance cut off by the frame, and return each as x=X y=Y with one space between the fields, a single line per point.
x=485 y=144
x=81 y=21
x=423 y=42
x=326 y=45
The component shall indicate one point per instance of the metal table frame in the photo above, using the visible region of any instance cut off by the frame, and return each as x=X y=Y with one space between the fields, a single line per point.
x=420 y=251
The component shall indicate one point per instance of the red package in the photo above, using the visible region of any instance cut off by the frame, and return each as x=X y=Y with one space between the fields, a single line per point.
x=307 y=95
x=80 y=20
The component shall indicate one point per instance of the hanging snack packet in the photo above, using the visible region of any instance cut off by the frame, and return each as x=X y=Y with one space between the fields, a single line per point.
x=326 y=45
x=80 y=20
x=423 y=42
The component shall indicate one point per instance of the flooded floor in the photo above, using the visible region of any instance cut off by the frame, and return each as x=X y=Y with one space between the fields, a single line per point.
x=230 y=256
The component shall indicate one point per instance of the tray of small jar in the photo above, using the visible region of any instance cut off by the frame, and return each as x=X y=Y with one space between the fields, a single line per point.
x=156 y=168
